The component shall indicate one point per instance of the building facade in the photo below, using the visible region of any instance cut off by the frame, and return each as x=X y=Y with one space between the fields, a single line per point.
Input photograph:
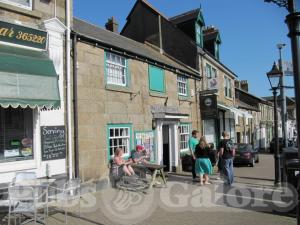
x=32 y=111
x=129 y=94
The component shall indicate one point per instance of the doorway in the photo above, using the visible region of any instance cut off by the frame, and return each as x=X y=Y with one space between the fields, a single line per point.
x=166 y=146
x=238 y=137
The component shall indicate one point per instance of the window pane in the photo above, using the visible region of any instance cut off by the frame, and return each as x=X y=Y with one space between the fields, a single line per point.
x=16 y=134
x=26 y=3
x=116 y=69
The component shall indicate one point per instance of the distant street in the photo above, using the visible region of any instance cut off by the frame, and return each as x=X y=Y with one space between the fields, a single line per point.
x=180 y=204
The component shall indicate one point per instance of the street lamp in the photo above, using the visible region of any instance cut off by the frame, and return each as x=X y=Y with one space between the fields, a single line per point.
x=293 y=22
x=274 y=76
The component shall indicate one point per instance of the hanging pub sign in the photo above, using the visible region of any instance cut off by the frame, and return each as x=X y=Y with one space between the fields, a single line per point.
x=16 y=34
x=208 y=107
x=53 y=142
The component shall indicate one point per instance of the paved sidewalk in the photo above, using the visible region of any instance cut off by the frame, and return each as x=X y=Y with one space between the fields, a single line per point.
x=252 y=201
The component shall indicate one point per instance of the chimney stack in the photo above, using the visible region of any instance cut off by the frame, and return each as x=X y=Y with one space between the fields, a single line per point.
x=244 y=85
x=112 y=25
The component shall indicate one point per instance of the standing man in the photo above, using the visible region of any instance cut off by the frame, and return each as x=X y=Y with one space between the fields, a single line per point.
x=227 y=152
x=193 y=141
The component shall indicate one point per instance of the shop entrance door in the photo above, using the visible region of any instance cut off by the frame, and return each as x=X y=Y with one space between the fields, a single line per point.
x=166 y=146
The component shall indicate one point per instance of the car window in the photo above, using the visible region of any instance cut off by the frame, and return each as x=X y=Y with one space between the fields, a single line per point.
x=242 y=148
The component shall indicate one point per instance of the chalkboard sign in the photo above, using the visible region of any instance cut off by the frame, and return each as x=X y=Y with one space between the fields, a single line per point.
x=53 y=142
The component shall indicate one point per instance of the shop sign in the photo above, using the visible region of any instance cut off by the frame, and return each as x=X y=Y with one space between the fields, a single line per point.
x=147 y=140
x=208 y=92
x=53 y=142
x=209 y=107
x=16 y=34
x=212 y=84
x=164 y=109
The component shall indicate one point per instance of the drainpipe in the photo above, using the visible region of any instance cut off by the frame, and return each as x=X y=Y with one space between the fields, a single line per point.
x=69 y=100
x=75 y=105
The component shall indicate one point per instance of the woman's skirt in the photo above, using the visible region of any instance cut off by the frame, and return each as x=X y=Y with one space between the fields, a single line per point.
x=203 y=166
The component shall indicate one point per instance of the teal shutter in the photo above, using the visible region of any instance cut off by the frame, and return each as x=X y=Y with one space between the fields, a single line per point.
x=156 y=79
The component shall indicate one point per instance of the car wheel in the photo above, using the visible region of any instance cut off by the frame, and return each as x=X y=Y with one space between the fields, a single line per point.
x=252 y=164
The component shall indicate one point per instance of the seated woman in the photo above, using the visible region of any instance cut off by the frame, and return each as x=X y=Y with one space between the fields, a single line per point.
x=123 y=164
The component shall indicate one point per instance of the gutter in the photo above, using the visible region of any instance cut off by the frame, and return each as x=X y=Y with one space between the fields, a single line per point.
x=68 y=68
x=75 y=106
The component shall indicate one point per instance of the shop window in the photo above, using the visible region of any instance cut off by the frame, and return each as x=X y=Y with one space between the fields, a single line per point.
x=184 y=132
x=156 y=79
x=119 y=136
x=27 y=4
x=16 y=134
x=116 y=69
x=182 y=85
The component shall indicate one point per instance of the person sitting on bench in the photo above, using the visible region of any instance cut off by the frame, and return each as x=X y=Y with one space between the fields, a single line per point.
x=124 y=165
x=139 y=155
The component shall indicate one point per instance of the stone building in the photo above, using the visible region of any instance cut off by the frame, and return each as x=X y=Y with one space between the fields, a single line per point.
x=186 y=38
x=32 y=74
x=128 y=94
x=255 y=125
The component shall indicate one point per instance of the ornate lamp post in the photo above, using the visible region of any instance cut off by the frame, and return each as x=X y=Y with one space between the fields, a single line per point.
x=274 y=77
x=293 y=22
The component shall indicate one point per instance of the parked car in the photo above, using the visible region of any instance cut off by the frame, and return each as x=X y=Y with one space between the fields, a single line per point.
x=246 y=155
x=272 y=145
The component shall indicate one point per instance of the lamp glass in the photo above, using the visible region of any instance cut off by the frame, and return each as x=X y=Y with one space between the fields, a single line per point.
x=274 y=80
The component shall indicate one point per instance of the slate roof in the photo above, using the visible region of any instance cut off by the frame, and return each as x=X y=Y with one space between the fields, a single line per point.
x=243 y=105
x=184 y=17
x=122 y=43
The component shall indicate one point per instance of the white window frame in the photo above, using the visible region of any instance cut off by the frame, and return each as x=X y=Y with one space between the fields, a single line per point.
x=186 y=134
x=228 y=87
x=208 y=69
x=124 y=137
x=11 y=2
x=109 y=64
x=215 y=74
x=182 y=85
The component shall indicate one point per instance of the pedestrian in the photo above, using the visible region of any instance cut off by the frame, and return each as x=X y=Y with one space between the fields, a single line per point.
x=203 y=165
x=227 y=152
x=193 y=141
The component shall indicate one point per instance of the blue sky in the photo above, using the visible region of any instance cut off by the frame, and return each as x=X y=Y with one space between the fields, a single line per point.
x=250 y=30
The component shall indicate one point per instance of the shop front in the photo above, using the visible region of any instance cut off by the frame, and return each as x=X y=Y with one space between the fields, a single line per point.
x=32 y=132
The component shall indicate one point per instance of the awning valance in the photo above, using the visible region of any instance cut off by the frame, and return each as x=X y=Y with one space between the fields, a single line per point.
x=27 y=79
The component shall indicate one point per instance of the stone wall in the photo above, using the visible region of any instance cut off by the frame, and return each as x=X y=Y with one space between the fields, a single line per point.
x=41 y=10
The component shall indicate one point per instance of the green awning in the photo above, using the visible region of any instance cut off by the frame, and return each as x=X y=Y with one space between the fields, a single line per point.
x=27 y=79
